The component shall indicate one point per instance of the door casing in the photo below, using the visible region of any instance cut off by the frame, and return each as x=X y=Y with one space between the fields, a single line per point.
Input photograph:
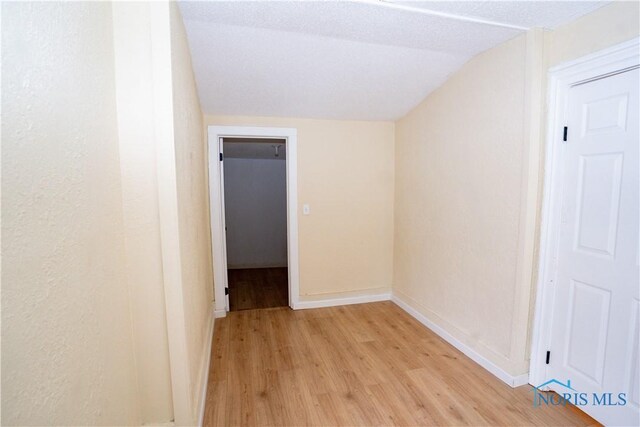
x=216 y=200
x=604 y=63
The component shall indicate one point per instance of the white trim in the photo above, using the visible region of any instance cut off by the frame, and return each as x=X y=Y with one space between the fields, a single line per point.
x=334 y=302
x=561 y=79
x=217 y=215
x=217 y=224
x=501 y=374
x=519 y=380
x=205 y=367
x=220 y=313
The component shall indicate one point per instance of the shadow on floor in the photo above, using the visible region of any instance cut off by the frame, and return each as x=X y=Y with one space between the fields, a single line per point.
x=253 y=288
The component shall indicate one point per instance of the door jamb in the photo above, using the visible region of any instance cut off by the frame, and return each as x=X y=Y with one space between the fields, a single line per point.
x=604 y=63
x=218 y=236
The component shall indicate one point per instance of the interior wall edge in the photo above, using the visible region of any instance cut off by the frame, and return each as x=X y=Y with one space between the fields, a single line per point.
x=526 y=261
x=168 y=212
x=132 y=46
x=192 y=200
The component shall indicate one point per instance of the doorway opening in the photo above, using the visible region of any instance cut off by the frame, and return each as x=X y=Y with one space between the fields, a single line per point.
x=255 y=212
x=264 y=270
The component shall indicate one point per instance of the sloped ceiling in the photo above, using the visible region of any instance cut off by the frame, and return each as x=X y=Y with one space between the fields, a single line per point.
x=359 y=60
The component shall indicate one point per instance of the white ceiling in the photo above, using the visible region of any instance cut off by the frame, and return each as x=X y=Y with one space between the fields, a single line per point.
x=362 y=60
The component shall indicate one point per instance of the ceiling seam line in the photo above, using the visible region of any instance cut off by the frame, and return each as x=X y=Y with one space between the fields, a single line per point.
x=390 y=5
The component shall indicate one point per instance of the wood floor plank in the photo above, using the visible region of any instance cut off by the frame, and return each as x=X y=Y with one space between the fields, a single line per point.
x=215 y=410
x=358 y=365
x=219 y=352
x=254 y=288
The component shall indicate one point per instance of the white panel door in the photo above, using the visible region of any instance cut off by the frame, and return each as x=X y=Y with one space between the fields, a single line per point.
x=594 y=340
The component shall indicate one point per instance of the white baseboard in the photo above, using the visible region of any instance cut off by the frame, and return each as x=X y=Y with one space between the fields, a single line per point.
x=220 y=313
x=204 y=370
x=519 y=380
x=255 y=266
x=333 y=302
x=511 y=380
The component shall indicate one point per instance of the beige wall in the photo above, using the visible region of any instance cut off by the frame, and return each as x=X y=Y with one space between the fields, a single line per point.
x=458 y=176
x=106 y=277
x=345 y=173
x=193 y=208
x=612 y=24
x=137 y=145
x=67 y=351
x=468 y=187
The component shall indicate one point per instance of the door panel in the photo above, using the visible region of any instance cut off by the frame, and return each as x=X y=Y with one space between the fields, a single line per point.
x=605 y=115
x=589 y=318
x=599 y=184
x=595 y=318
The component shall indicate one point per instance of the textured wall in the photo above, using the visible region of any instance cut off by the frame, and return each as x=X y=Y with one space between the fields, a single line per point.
x=612 y=24
x=255 y=203
x=193 y=206
x=67 y=354
x=134 y=94
x=345 y=173
x=457 y=206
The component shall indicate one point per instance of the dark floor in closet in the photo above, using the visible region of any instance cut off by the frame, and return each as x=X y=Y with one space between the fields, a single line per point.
x=253 y=288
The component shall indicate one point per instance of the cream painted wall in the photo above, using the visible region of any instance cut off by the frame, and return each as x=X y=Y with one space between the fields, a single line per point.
x=468 y=187
x=607 y=26
x=193 y=209
x=67 y=350
x=458 y=177
x=137 y=145
x=345 y=173
x=106 y=278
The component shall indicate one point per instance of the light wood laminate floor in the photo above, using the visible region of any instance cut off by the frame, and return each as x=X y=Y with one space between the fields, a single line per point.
x=367 y=364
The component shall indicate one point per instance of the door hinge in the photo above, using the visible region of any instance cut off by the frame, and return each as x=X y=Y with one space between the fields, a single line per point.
x=564 y=136
x=548 y=357
x=226 y=291
x=222 y=157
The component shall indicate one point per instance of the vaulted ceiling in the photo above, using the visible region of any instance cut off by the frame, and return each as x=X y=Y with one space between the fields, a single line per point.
x=362 y=60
